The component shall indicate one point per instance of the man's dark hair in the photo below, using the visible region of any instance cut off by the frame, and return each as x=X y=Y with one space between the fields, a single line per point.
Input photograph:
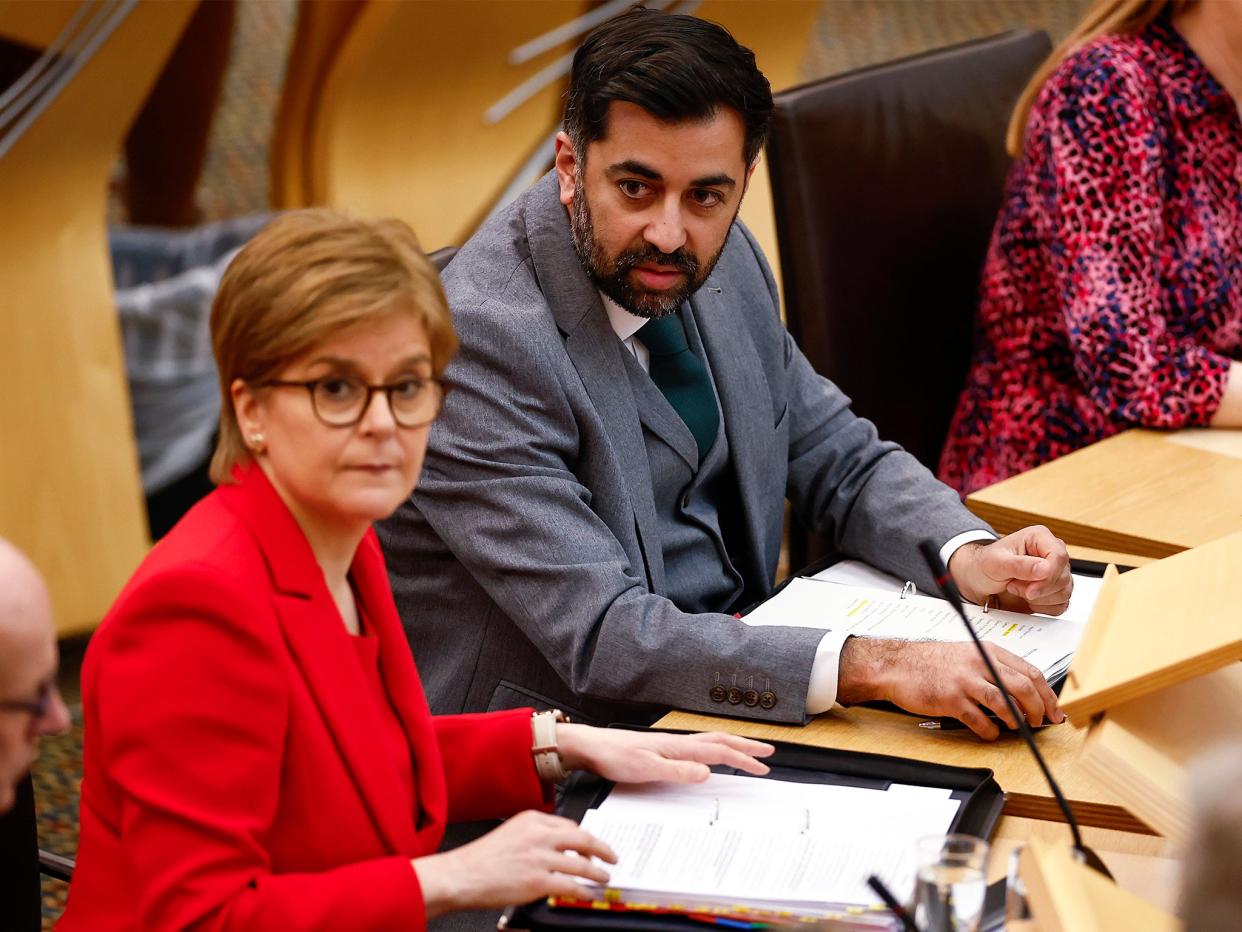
x=675 y=67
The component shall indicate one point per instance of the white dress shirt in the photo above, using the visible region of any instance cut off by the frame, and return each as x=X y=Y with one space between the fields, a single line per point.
x=826 y=668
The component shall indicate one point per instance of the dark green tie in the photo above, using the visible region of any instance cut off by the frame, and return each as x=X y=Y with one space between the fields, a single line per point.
x=682 y=377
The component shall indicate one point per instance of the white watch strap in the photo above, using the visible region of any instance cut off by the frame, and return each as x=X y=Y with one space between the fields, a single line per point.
x=547 y=755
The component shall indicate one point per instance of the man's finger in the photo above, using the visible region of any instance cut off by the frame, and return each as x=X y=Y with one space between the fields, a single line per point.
x=985 y=694
x=1025 y=694
x=974 y=718
x=1000 y=564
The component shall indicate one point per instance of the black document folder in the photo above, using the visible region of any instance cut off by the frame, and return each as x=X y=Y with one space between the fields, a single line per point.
x=980 y=800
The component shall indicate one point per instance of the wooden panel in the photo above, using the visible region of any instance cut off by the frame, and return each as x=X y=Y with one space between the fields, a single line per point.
x=400 y=128
x=878 y=732
x=1145 y=749
x=1066 y=896
x=322 y=27
x=1145 y=865
x=1141 y=492
x=386 y=107
x=1157 y=626
x=68 y=463
x=35 y=22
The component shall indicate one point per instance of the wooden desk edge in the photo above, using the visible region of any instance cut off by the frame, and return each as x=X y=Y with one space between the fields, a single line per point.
x=1022 y=805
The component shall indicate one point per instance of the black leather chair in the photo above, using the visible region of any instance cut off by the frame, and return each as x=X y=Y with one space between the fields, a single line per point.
x=886 y=183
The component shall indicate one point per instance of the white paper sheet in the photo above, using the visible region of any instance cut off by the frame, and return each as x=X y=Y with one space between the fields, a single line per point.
x=733 y=839
x=1048 y=643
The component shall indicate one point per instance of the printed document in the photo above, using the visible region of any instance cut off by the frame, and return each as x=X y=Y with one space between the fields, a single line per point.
x=774 y=844
x=871 y=611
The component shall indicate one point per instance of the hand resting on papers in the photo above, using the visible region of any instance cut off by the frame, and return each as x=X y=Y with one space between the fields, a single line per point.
x=534 y=854
x=1027 y=571
x=944 y=679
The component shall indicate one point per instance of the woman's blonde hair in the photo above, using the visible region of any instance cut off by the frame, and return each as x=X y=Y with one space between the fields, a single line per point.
x=306 y=276
x=1105 y=18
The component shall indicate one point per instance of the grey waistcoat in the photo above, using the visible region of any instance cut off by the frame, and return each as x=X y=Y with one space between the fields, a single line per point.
x=699 y=575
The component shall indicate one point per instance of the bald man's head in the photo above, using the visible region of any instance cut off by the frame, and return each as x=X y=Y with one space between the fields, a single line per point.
x=29 y=702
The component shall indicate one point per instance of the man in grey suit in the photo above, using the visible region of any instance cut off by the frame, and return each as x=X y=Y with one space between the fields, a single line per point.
x=606 y=484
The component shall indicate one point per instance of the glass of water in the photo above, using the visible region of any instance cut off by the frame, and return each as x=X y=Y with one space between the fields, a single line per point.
x=950 y=883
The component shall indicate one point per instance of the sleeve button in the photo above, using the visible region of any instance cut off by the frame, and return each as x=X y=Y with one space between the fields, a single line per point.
x=767 y=699
x=718 y=693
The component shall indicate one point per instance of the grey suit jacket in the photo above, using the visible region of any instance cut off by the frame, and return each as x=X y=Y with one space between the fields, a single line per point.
x=526 y=567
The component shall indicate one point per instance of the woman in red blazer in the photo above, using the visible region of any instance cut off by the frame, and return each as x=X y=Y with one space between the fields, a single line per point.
x=258 y=751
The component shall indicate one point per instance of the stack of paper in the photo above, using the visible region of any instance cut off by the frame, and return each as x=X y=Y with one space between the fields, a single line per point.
x=871 y=610
x=797 y=848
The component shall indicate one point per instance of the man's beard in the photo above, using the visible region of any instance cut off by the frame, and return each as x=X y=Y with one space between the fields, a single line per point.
x=612 y=277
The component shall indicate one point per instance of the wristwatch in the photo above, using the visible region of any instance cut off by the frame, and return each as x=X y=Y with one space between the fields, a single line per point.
x=547 y=755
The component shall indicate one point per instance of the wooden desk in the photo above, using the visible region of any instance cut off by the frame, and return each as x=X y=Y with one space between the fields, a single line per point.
x=877 y=732
x=1143 y=492
x=1145 y=865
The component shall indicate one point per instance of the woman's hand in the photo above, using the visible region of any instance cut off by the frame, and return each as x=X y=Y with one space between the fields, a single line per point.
x=646 y=756
x=526 y=858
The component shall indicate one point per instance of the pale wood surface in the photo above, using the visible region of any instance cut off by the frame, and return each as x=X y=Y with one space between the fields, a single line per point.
x=68 y=462
x=1066 y=896
x=322 y=26
x=1145 y=865
x=1159 y=625
x=1145 y=749
x=879 y=732
x=1142 y=492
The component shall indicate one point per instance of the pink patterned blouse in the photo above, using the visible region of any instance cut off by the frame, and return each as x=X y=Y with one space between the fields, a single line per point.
x=1112 y=290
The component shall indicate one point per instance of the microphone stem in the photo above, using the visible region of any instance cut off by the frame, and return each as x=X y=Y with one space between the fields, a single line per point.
x=1025 y=730
x=947 y=586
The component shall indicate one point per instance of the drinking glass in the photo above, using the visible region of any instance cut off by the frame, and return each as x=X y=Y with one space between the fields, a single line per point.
x=950 y=880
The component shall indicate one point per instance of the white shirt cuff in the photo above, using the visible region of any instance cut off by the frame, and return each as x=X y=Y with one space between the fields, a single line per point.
x=956 y=543
x=826 y=667
x=825 y=672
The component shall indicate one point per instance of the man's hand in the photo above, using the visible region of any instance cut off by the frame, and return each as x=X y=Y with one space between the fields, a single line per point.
x=949 y=680
x=1028 y=571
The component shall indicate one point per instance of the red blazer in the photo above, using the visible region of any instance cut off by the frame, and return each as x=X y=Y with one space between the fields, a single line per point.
x=233 y=774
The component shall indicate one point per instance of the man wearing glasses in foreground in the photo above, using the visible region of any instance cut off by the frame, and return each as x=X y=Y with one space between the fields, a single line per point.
x=30 y=704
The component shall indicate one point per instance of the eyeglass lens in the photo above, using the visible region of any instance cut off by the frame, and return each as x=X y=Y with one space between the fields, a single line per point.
x=342 y=401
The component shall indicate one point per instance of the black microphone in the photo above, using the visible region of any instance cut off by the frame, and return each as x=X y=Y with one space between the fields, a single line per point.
x=948 y=588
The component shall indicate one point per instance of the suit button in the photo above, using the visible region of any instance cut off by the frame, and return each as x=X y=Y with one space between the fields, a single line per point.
x=735 y=695
x=767 y=699
x=750 y=697
x=685 y=501
x=718 y=693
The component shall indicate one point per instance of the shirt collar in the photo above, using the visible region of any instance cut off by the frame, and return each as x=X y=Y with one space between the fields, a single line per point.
x=624 y=324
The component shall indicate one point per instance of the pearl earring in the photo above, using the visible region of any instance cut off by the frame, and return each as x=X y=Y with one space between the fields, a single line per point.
x=256 y=442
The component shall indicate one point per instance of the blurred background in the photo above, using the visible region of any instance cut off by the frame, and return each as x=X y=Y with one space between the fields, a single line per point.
x=437 y=110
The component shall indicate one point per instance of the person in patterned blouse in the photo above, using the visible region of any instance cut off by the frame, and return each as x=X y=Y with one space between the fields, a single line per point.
x=1112 y=290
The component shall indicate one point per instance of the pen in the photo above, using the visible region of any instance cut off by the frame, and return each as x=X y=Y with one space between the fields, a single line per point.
x=953 y=724
x=876 y=884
